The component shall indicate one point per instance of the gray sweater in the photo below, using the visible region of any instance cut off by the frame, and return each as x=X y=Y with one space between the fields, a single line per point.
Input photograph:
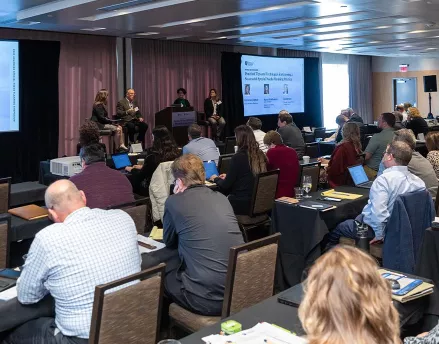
x=292 y=137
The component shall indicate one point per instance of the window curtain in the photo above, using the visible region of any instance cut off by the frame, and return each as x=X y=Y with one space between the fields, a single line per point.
x=360 y=86
x=87 y=63
x=161 y=67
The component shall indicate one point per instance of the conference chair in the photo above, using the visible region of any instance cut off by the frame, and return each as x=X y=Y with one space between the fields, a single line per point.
x=308 y=137
x=230 y=144
x=312 y=150
x=108 y=136
x=320 y=133
x=131 y=314
x=5 y=194
x=5 y=229
x=140 y=212
x=249 y=281
x=312 y=170
x=224 y=163
x=264 y=194
x=204 y=124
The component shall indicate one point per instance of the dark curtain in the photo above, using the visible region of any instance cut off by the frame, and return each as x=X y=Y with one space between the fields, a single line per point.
x=233 y=102
x=37 y=139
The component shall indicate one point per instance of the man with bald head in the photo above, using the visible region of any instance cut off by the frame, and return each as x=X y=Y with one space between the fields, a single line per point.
x=82 y=249
x=128 y=111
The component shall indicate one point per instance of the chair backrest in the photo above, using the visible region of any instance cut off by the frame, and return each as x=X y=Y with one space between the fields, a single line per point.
x=5 y=228
x=308 y=137
x=250 y=274
x=138 y=210
x=264 y=192
x=436 y=205
x=312 y=170
x=230 y=144
x=224 y=163
x=5 y=194
x=312 y=150
x=320 y=133
x=131 y=314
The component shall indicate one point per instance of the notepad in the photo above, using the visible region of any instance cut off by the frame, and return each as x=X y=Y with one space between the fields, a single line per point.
x=341 y=195
x=29 y=212
x=156 y=233
x=150 y=242
x=316 y=206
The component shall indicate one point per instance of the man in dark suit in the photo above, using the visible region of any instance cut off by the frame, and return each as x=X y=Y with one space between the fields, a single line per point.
x=128 y=111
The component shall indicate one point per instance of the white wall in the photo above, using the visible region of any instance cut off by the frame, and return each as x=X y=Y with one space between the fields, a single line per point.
x=391 y=64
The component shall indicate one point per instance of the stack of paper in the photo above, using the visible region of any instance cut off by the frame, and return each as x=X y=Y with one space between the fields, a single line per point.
x=156 y=233
x=262 y=333
x=341 y=195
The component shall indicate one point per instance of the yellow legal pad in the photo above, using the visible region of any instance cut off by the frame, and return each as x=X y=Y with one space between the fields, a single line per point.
x=341 y=195
x=156 y=233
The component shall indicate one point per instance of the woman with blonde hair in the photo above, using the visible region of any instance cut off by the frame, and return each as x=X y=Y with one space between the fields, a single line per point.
x=100 y=116
x=346 y=301
x=344 y=155
x=415 y=122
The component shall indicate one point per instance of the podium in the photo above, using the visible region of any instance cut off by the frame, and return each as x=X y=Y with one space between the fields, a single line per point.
x=177 y=120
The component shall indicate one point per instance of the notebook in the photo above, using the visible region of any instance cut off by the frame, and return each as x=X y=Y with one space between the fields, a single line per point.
x=29 y=212
x=359 y=177
x=291 y=297
x=288 y=200
x=210 y=168
x=316 y=206
x=121 y=160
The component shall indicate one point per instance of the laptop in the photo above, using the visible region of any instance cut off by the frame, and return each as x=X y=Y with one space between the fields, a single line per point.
x=359 y=177
x=121 y=161
x=291 y=297
x=210 y=168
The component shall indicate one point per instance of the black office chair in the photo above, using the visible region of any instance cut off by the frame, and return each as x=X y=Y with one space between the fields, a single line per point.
x=308 y=137
x=320 y=133
x=224 y=163
x=230 y=144
x=312 y=170
x=312 y=150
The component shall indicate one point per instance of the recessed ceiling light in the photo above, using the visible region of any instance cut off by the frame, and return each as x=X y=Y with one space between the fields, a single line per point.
x=49 y=7
x=408 y=46
x=418 y=31
x=147 y=33
x=431 y=49
x=234 y=14
x=93 y=29
x=382 y=27
x=134 y=9
x=374 y=42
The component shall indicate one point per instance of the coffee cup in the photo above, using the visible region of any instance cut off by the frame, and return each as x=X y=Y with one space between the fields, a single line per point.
x=306 y=159
x=236 y=148
x=140 y=161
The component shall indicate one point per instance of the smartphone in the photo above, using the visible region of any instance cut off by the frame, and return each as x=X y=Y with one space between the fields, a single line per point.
x=332 y=199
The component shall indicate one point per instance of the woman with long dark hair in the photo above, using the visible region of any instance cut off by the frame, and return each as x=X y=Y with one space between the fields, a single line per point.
x=100 y=116
x=163 y=149
x=214 y=111
x=248 y=161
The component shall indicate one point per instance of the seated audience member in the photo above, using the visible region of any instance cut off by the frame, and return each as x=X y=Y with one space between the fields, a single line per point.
x=415 y=122
x=432 y=143
x=256 y=125
x=103 y=186
x=88 y=133
x=337 y=136
x=202 y=147
x=290 y=133
x=201 y=224
x=346 y=301
x=181 y=100
x=418 y=165
x=353 y=117
x=378 y=143
x=163 y=149
x=406 y=107
x=395 y=180
x=248 y=161
x=431 y=337
x=398 y=120
x=285 y=159
x=344 y=155
x=100 y=116
x=68 y=259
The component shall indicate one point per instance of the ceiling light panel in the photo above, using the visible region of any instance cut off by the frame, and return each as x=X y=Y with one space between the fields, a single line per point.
x=234 y=14
x=52 y=6
x=135 y=9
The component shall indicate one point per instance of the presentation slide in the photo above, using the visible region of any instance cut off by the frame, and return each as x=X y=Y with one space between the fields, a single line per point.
x=272 y=84
x=9 y=88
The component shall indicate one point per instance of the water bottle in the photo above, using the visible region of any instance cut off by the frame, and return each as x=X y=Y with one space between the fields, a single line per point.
x=362 y=240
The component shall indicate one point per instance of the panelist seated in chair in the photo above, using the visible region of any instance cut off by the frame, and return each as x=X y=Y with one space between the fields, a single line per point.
x=395 y=180
x=213 y=109
x=201 y=224
x=103 y=186
x=202 y=147
x=248 y=161
x=128 y=111
x=68 y=259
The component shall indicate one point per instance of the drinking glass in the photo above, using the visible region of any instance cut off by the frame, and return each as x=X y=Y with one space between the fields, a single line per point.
x=298 y=192
x=307 y=185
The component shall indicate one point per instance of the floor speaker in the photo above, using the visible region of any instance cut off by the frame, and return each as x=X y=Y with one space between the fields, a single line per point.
x=430 y=84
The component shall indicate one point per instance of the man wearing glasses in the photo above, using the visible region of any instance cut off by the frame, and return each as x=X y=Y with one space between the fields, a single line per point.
x=395 y=180
x=128 y=111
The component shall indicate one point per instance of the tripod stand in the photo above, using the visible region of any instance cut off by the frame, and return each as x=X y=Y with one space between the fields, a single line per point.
x=430 y=115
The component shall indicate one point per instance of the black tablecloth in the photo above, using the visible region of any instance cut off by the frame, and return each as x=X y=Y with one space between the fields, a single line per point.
x=26 y=193
x=22 y=229
x=303 y=230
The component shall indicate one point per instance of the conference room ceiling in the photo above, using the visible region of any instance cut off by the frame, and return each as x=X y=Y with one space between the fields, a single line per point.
x=371 y=27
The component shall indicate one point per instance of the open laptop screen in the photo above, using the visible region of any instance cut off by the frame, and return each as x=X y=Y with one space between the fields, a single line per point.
x=358 y=174
x=121 y=160
x=210 y=168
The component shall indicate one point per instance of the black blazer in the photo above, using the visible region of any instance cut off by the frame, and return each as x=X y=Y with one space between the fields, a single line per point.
x=418 y=125
x=100 y=115
x=208 y=108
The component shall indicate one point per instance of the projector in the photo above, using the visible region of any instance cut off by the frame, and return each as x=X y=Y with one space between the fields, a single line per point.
x=68 y=166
